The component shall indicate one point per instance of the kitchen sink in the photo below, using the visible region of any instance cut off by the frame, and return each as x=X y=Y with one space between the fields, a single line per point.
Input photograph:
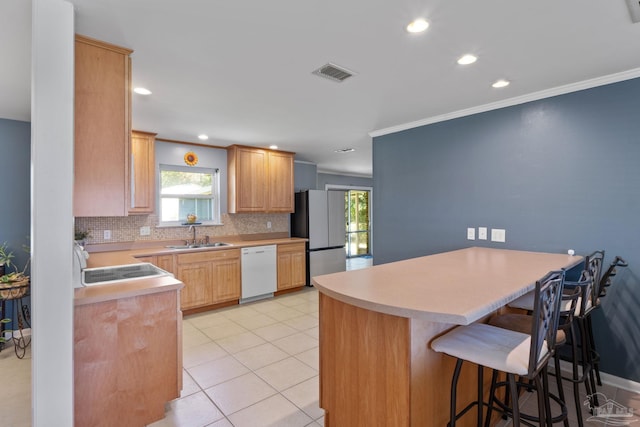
x=204 y=245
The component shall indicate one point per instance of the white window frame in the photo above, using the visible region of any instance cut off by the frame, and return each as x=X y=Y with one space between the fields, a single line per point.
x=215 y=194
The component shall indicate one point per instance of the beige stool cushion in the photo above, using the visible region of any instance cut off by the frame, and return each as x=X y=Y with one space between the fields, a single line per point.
x=490 y=346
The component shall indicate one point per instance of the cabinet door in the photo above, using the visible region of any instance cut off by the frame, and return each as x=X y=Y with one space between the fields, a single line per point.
x=280 y=182
x=251 y=180
x=197 y=284
x=226 y=280
x=142 y=173
x=102 y=128
x=165 y=262
x=298 y=269
x=284 y=271
x=292 y=271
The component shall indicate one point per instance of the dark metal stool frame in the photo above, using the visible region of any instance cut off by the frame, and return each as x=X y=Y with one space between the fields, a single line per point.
x=548 y=293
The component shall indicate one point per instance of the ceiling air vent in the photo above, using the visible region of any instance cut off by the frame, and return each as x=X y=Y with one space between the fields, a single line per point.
x=333 y=72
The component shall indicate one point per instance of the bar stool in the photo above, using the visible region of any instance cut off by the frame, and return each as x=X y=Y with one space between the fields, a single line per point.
x=605 y=281
x=524 y=322
x=514 y=353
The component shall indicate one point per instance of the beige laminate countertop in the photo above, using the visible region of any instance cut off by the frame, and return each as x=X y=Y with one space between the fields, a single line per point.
x=457 y=287
x=112 y=291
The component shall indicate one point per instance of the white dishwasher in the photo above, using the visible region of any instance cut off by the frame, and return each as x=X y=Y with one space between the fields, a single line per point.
x=259 y=272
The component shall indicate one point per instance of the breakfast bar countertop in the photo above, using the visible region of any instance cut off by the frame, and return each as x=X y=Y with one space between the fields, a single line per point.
x=457 y=287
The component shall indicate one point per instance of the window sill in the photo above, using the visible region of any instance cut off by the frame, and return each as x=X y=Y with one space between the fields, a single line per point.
x=180 y=225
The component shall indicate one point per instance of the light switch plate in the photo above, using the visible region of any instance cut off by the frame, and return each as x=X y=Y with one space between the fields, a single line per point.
x=107 y=234
x=482 y=233
x=498 y=235
x=471 y=233
x=145 y=231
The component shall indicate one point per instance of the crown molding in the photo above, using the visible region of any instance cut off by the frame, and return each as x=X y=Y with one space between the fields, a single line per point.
x=547 y=93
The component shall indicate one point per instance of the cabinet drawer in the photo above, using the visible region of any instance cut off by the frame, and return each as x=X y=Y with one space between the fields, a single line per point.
x=291 y=247
x=208 y=256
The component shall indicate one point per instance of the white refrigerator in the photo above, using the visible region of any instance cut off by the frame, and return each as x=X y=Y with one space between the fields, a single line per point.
x=320 y=217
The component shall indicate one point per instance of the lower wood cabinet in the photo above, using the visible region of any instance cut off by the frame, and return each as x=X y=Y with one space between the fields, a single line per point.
x=291 y=265
x=127 y=359
x=209 y=277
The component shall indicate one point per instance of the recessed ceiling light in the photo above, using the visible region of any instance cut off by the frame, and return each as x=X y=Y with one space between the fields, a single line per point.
x=467 y=59
x=203 y=137
x=417 y=26
x=345 y=150
x=142 y=91
x=500 y=83
x=273 y=147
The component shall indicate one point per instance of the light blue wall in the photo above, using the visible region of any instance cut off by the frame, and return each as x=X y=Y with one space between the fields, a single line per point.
x=558 y=173
x=15 y=206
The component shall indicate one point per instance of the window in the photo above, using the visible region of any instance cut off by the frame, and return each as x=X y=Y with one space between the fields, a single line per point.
x=188 y=190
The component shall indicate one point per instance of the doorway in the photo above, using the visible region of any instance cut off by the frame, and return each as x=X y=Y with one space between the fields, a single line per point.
x=358 y=223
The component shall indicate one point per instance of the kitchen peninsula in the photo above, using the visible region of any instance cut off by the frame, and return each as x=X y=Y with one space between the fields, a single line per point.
x=376 y=365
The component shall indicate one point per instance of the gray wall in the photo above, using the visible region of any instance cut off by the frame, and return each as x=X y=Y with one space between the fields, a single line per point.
x=15 y=207
x=305 y=176
x=558 y=173
x=346 y=180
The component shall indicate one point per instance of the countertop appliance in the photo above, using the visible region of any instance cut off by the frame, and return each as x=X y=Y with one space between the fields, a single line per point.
x=121 y=273
x=259 y=272
x=79 y=263
x=320 y=217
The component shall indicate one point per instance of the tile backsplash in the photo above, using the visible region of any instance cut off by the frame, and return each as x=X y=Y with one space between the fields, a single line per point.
x=127 y=229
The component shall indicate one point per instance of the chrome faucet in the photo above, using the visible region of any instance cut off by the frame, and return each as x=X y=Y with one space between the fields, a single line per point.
x=193 y=228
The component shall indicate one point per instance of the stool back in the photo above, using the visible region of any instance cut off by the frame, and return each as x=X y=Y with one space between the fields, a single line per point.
x=606 y=279
x=590 y=282
x=546 y=315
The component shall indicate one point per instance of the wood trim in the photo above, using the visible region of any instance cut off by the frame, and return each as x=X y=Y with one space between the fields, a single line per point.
x=198 y=144
x=250 y=147
x=196 y=310
x=287 y=291
x=99 y=43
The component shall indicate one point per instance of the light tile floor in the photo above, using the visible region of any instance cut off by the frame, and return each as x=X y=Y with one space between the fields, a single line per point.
x=250 y=365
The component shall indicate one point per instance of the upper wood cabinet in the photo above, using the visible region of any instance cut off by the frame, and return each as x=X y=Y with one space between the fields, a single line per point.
x=143 y=188
x=102 y=128
x=259 y=180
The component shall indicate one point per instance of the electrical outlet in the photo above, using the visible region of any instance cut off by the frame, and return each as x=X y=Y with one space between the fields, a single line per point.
x=268 y=224
x=145 y=231
x=482 y=233
x=498 y=235
x=471 y=233
x=107 y=234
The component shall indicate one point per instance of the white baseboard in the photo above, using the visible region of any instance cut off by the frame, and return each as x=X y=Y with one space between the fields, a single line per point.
x=608 y=379
x=25 y=333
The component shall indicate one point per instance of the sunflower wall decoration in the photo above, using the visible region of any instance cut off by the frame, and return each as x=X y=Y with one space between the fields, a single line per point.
x=191 y=158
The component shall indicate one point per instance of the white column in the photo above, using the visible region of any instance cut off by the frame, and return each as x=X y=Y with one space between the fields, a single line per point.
x=51 y=211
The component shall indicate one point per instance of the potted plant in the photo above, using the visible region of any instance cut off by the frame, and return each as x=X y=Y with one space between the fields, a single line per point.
x=16 y=283
x=80 y=236
x=5 y=258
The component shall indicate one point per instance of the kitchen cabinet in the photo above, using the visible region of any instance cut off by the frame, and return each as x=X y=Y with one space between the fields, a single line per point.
x=259 y=180
x=102 y=128
x=142 y=172
x=291 y=265
x=127 y=359
x=165 y=262
x=209 y=277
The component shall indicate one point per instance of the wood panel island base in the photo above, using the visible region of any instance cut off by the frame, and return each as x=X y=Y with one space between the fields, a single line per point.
x=127 y=352
x=376 y=325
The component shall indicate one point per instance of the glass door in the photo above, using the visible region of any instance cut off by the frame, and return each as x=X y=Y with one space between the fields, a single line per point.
x=357 y=223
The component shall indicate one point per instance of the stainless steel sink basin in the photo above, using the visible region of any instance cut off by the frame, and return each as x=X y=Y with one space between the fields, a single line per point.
x=204 y=245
